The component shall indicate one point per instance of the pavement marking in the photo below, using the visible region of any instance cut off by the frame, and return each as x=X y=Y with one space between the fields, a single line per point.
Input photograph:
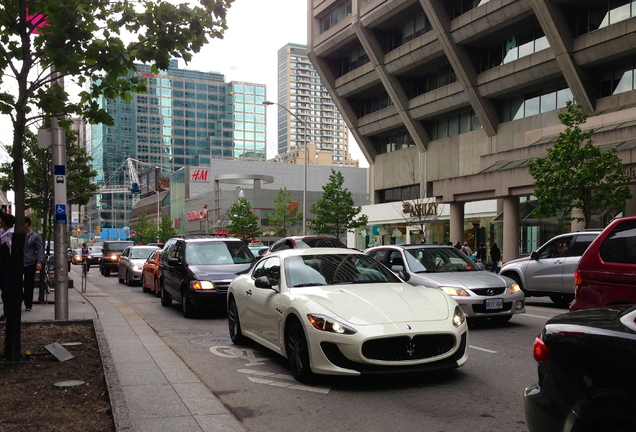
x=238 y=353
x=536 y=316
x=291 y=382
x=482 y=349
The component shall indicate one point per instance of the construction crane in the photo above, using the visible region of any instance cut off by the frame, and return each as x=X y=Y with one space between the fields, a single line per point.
x=133 y=179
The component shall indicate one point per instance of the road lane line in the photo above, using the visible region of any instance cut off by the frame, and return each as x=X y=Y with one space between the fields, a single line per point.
x=482 y=349
x=535 y=316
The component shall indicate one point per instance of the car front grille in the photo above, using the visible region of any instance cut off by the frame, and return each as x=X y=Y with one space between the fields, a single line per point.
x=221 y=285
x=488 y=291
x=404 y=348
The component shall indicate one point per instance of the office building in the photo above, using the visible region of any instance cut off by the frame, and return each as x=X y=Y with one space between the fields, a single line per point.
x=186 y=117
x=448 y=99
x=314 y=122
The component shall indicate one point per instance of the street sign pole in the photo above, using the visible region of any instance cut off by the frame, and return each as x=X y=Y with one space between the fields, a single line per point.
x=60 y=230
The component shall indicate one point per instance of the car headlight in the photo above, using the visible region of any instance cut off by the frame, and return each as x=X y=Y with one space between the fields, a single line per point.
x=324 y=323
x=202 y=285
x=514 y=288
x=454 y=291
x=114 y=257
x=458 y=316
x=135 y=267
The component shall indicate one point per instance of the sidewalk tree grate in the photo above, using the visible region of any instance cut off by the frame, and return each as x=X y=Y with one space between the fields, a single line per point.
x=222 y=340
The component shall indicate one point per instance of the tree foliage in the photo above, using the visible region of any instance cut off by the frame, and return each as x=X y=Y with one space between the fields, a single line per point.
x=335 y=210
x=243 y=222
x=145 y=231
x=577 y=174
x=42 y=42
x=285 y=215
x=166 y=229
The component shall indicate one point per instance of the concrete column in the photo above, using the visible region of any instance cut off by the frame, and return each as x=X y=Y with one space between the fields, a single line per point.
x=456 y=222
x=630 y=205
x=510 y=247
x=577 y=225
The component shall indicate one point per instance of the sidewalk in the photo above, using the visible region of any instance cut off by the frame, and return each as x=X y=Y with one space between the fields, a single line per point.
x=151 y=389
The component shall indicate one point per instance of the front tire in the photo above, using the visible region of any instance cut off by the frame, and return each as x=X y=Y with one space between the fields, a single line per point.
x=186 y=306
x=166 y=300
x=298 y=352
x=156 y=291
x=234 y=324
x=119 y=278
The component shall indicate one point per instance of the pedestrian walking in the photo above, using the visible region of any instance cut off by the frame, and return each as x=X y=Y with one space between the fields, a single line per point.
x=33 y=261
x=6 y=236
x=495 y=256
x=481 y=255
x=466 y=249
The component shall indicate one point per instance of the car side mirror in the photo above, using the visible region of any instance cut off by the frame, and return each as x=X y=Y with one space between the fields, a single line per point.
x=534 y=255
x=265 y=282
x=397 y=268
x=174 y=261
x=405 y=276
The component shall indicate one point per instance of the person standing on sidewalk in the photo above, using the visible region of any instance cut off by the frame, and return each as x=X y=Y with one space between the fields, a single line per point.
x=33 y=260
x=495 y=256
x=6 y=236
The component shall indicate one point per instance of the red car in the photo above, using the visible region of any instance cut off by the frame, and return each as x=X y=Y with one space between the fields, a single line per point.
x=606 y=273
x=150 y=274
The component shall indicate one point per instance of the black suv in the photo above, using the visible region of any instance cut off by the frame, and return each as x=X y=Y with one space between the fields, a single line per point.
x=111 y=251
x=197 y=270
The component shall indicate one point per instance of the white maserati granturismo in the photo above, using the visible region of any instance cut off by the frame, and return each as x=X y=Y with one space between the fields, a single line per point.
x=340 y=312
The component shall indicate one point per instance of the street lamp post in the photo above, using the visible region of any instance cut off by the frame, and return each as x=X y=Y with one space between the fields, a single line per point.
x=304 y=162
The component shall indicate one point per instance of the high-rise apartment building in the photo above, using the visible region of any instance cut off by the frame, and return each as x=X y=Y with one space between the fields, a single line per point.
x=449 y=99
x=314 y=122
x=185 y=118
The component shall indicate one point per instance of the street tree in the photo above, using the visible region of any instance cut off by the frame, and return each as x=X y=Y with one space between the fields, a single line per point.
x=145 y=231
x=42 y=42
x=285 y=215
x=166 y=229
x=243 y=222
x=335 y=210
x=577 y=174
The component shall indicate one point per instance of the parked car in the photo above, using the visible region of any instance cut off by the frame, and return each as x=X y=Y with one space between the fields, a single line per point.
x=586 y=378
x=549 y=271
x=96 y=252
x=150 y=273
x=110 y=256
x=480 y=293
x=304 y=242
x=131 y=261
x=336 y=311
x=257 y=248
x=606 y=274
x=197 y=270
x=94 y=255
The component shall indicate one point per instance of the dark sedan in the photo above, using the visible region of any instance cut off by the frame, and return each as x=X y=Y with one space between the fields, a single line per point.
x=586 y=374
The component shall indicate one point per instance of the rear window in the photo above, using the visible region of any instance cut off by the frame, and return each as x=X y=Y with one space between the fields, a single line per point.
x=218 y=252
x=319 y=242
x=118 y=246
x=620 y=245
x=581 y=243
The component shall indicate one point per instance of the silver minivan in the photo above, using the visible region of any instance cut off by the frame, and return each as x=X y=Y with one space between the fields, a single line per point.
x=549 y=271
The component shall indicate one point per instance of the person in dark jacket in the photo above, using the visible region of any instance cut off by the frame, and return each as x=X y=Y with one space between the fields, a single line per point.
x=33 y=260
x=495 y=256
x=6 y=236
x=481 y=255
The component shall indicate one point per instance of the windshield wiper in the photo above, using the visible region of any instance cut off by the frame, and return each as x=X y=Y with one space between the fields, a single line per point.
x=308 y=284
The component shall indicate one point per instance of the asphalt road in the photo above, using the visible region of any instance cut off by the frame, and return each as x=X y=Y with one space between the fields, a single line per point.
x=255 y=384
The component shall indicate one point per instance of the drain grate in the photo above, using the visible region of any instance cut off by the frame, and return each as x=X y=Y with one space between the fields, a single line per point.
x=220 y=340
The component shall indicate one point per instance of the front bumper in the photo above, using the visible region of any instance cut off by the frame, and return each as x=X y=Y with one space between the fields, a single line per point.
x=543 y=414
x=475 y=307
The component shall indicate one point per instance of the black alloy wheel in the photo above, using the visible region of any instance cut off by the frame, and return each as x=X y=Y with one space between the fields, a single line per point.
x=186 y=306
x=298 y=352
x=234 y=324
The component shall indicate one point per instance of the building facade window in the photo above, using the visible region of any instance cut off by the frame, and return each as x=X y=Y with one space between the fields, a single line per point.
x=460 y=7
x=434 y=78
x=353 y=60
x=392 y=142
x=456 y=124
x=510 y=49
x=403 y=193
x=602 y=14
x=619 y=79
x=376 y=102
x=408 y=31
x=336 y=14
x=536 y=102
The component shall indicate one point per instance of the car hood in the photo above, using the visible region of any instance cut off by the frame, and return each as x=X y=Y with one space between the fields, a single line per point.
x=467 y=280
x=217 y=271
x=518 y=261
x=379 y=303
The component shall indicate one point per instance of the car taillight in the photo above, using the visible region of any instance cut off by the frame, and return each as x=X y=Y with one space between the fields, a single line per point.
x=578 y=279
x=540 y=350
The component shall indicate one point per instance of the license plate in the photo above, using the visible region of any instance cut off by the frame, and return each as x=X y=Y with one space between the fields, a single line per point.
x=494 y=304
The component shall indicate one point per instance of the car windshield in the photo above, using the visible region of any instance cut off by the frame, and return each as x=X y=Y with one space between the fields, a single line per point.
x=312 y=242
x=95 y=249
x=141 y=253
x=331 y=269
x=218 y=252
x=439 y=260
